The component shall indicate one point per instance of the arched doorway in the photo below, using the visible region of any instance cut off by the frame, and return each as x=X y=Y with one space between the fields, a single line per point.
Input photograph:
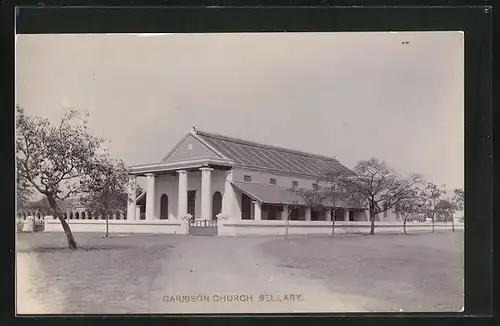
x=164 y=207
x=191 y=209
x=216 y=204
x=246 y=207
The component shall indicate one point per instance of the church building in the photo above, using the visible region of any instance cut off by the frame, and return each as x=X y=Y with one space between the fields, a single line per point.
x=208 y=177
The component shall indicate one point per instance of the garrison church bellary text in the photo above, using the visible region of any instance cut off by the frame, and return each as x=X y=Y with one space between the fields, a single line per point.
x=207 y=175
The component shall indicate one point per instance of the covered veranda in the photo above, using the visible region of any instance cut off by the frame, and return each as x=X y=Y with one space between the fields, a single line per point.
x=270 y=202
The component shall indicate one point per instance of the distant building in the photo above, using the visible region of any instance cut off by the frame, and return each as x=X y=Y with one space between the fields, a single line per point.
x=72 y=208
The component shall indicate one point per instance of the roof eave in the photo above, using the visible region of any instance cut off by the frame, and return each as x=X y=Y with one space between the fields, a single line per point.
x=175 y=166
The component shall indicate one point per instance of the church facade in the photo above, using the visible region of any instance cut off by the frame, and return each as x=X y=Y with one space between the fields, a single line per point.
x=233 y=182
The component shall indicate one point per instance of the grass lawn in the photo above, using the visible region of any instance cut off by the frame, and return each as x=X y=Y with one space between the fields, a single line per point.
x=416 y=272
x=101 y=276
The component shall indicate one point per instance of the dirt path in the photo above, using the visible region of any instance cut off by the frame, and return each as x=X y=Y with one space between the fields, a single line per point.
x=235 y=267
x=30 y=278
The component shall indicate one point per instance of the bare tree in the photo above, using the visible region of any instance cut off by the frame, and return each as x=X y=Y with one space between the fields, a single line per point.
x=56 y=160
x=432 y=195
x=292 y=207
x=332 y=193
x=412 y=204
x=377 y=187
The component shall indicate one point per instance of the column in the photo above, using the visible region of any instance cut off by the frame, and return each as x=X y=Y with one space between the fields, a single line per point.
x=131 y=202
x=328 y=214
x=228 y=197
x=346 y=214
x=183 y=186
x=138 y=213
x=206 y=194
x=150 y=197
x=284 y=213
x=257 y=210
x=308 y=213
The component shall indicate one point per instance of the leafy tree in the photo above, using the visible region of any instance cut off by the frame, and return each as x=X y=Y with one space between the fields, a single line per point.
x=326 y=196
x=447 y=208
x=138 y=190
x=105 y=189
x=40 y=206
x=432 y=194
x=458 y=199
x=303 y=198
x=23 y=195
x=377 y=187
x=56 y=160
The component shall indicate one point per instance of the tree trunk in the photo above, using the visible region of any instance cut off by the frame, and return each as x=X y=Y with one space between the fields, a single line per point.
x=286 y=228
x=372 y=223
x=452 y=223
x=57 y=213
x=433 y=221
x=287 y=222
x=107 y=225
x=333 y=225
x=404 y=225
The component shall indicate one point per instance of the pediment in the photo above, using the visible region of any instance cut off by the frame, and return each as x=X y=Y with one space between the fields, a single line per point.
x=189 y=148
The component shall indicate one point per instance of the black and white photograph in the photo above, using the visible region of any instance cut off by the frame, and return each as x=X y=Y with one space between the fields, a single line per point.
x=209 y=173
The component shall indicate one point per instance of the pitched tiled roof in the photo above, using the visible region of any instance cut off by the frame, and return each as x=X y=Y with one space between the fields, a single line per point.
x=252 y=154
x=271 y=194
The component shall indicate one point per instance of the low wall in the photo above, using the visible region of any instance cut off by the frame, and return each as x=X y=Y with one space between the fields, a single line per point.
x=325 y=228
x=246 y=227
x=120 y=226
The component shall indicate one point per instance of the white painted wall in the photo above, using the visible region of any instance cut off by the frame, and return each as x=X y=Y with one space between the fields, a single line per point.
x=324 y=228
x=231 y=199
x=263 y=177
x=245 y=227
x=120 y=226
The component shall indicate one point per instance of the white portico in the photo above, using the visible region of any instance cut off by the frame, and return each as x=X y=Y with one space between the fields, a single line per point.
x=175 y=190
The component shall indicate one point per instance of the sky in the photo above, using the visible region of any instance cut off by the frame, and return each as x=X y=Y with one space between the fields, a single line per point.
x=398 y=97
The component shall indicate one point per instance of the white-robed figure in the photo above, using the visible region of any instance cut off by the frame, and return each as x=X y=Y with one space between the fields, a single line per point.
x=29 y=224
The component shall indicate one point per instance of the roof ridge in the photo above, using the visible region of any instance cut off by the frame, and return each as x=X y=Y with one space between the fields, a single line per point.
x=253 y=143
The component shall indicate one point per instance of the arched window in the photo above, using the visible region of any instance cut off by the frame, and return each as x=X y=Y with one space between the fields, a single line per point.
x=83 y=215
x=77 y=215
x=164 y=207
x=117 y=215
x=246 y=207
x=216 y=204
x=70 y=215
